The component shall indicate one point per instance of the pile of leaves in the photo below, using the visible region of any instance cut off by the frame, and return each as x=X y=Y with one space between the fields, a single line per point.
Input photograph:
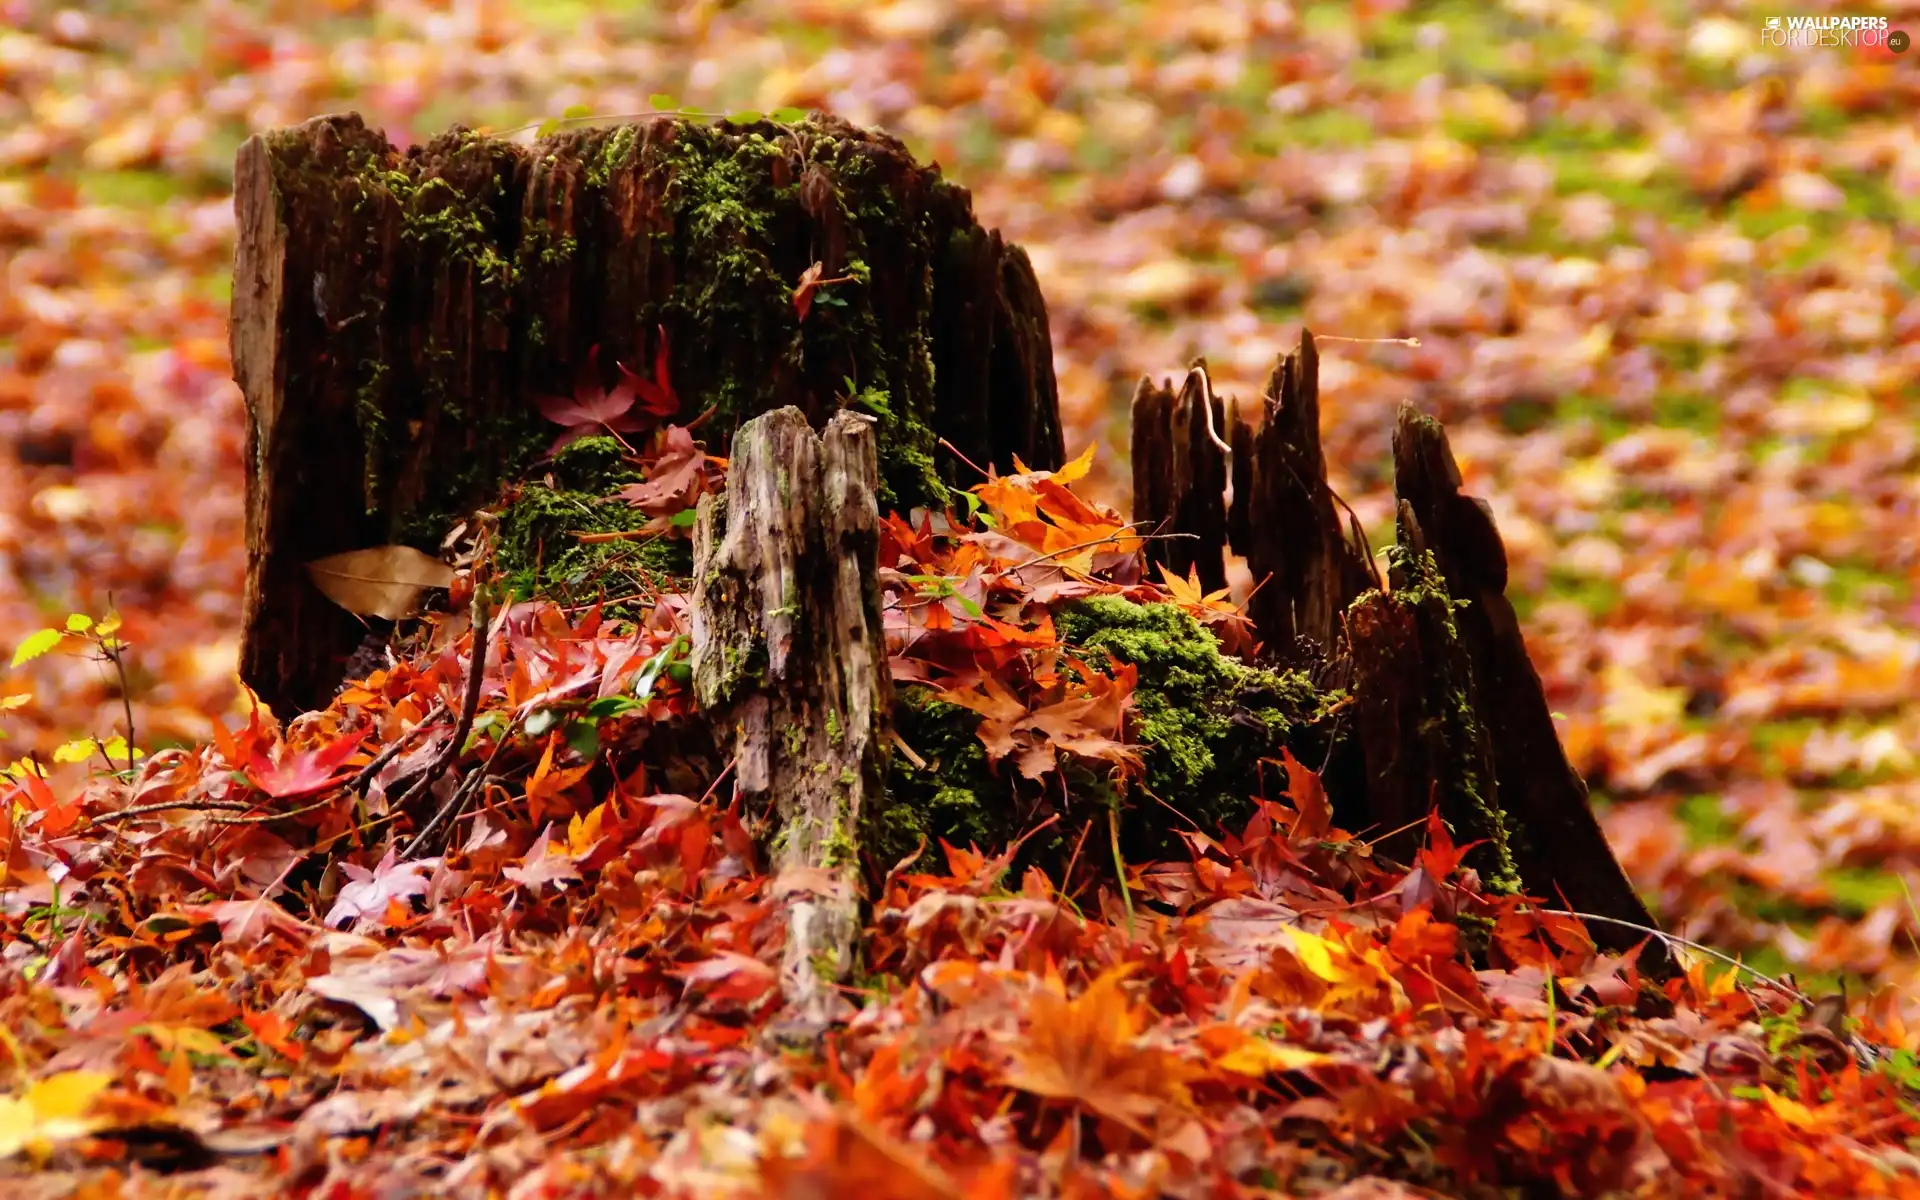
x=1663 y=275
x=225 y=969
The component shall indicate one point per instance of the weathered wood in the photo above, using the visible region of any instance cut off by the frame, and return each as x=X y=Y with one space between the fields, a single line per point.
x=1447 y=710
x=1556 y=844
x=789 y=659
x=1285 y=521
x=1180 y=478
x=1420 y=739
x=396 y=315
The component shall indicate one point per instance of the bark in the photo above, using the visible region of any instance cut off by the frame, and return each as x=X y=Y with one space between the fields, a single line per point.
x=1448 y=711
x=789 y=660
x=1556 y=844
x=1180 y=478
x=1284 y=518
x=396 y=315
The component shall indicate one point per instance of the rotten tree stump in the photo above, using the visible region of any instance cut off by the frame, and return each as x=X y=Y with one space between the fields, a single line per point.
x=1448 y=710
x=396 y=315
x=790 y=665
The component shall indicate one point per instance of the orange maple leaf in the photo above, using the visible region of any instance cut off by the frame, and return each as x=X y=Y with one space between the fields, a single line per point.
x=1088 y=1050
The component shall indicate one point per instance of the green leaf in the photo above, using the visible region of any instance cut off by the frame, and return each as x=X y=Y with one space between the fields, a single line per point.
x=36 y=645
x=663 y=101
x=574 y=112
x=789 y=115
x=684 y=519
x=606 y=708
x=584 y=737
x=650 y=673
x=746 y=116
x=548 y=127
x=541 y=720
x=79 y=623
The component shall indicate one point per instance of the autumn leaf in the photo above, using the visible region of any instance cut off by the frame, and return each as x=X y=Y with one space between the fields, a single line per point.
x=544 y=863
x=380 y=581
x=50 y=1111
x=1088 y=1050
x=594 y=409
x=369 y=891
x=676 y=477
x=287 y=776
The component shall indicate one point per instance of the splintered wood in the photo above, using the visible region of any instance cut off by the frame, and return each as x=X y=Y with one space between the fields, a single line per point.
x=788 y=659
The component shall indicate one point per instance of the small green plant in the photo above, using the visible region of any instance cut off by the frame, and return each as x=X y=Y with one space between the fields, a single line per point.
x=99 y=640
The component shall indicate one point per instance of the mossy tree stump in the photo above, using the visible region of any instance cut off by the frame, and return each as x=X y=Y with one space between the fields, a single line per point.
x=395 y=316
x=1448 y=711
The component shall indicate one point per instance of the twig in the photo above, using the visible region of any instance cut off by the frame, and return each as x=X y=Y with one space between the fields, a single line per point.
x=365 y=775
x=438 y=767
x=140 y=810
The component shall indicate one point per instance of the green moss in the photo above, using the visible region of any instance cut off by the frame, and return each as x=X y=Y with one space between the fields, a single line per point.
x=955 y=796
x=614 y=154
x=1419 y=587
x=1202 y=718
x=732 y=200
x=540 y=552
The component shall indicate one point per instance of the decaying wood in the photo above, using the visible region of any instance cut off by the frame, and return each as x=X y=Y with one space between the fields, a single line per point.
x=1557 y=844
x=1448 y=711
x=789 y=660
x=1284 y=518
x=395 y=315
x=1180 y=477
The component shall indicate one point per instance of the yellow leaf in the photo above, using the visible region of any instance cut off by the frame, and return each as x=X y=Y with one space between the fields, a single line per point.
x=199 y=1041
x=51 y=1110
x=1790 y=1110
x=109 y=625
x=1315 y=954
x=1078 y=467
x=9 y=703
x=77 y=751
x=583 y=832
x=1258 y=1056
x=37 y=643
x=79 y=622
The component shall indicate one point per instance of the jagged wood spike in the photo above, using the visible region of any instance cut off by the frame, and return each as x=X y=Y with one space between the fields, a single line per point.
x=1556 y=843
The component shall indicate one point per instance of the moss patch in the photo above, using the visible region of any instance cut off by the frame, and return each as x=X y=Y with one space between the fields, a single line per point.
x=956 y=796
x=1204 y=719
x=541 y=553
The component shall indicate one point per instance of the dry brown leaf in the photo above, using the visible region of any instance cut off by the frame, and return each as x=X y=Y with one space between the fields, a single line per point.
x=380 y=581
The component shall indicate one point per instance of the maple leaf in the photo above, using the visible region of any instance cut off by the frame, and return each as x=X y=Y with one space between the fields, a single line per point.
x=739 y=978
x=544 y=863
x=594 y=409
x=675 y=479
x=305 y=772
x=1088 y=1050
x=370 y=891
x=1309 y=796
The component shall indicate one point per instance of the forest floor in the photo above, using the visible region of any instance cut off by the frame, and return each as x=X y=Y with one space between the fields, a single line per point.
x=1665 y=281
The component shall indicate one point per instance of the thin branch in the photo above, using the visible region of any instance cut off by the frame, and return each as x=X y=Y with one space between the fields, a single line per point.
x=140 y=810
x=475 y=676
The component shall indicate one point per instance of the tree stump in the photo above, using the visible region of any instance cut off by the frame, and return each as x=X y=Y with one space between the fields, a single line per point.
x=790 y=665
x=395 y=317
x=1449 y=712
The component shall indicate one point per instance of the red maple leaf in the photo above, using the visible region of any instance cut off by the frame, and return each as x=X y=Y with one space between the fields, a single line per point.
x=286 y=776
x=595 y=409
x=674 y=480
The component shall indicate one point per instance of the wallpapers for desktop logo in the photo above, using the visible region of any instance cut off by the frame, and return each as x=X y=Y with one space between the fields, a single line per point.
x=1858 y=33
